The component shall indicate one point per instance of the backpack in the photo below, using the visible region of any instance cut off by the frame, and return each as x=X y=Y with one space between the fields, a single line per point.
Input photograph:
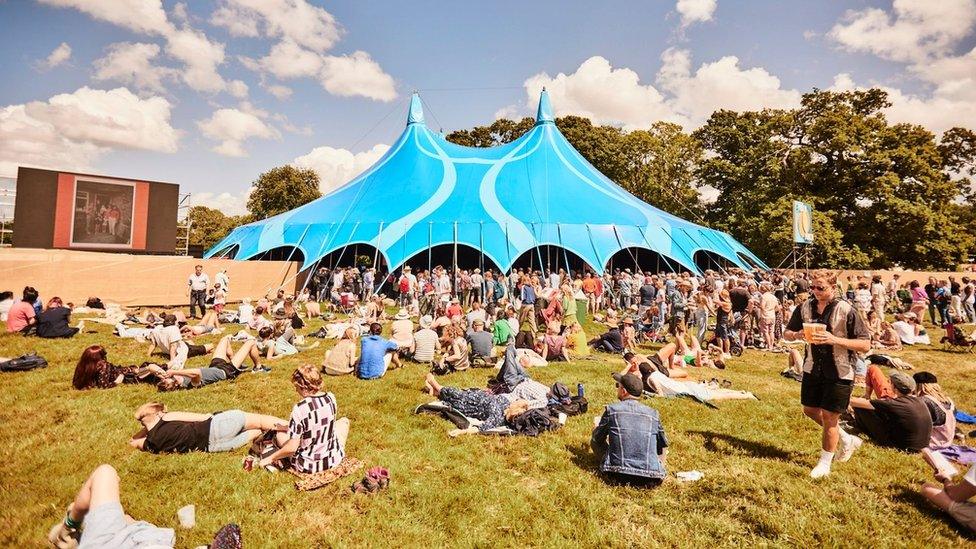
x=562 y=402
x=404 y=285
x=23 y=363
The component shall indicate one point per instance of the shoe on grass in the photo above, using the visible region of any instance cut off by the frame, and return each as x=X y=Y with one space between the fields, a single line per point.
x=820 y=471
x=260 y=370
x=849 y=448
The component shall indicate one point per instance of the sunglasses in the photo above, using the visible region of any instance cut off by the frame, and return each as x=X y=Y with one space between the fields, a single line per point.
x=819 y=288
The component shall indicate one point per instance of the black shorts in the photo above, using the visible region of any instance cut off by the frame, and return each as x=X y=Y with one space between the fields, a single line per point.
x=227 y=367
x=195 y=350
x=833 y=395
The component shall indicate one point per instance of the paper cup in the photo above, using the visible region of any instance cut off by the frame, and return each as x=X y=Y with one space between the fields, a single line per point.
x=811 y=328
x=187 y=516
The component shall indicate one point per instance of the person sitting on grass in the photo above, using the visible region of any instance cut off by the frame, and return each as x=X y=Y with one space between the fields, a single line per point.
x=165 y=432
x=55 y=320
x=629 y=439
x=425 y=341
x=482 y=345
x=554 y=346
x=96 y=519
x=401 y=332
x=94 y=371
x=611 y=341
x=376 y=354
x=209 y=323
x=903 y=422
x=576 y=341
x=225 y=364
x=876 y=383
x=455 y=349
x=341 y=359
x=492 y=410
x=22 y=316
x=502 y=328
x=953 y=497
x=941 y=408
x=316 y=438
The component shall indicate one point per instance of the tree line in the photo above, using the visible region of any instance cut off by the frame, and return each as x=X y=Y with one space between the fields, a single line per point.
x=884 y=195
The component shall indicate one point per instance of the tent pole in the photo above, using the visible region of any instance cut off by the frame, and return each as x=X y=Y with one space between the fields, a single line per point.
x=454 y=265
x=481 y=249
x=430 y=228
x=376 y=257
x=559 y=234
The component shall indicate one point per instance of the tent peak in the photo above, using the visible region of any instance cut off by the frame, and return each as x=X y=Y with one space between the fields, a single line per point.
x=544 y=114
x=416 y=113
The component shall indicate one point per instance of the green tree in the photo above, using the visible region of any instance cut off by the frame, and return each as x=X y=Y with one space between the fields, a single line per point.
x=208 y=225
x=281 y=189
x=838 y=150
x=659 y=168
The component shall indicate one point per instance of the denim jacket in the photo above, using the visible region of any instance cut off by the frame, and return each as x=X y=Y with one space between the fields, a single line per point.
x=630 y=438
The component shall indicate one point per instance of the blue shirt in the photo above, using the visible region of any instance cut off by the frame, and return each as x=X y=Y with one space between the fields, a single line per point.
x=528 y=295
x=372 y=352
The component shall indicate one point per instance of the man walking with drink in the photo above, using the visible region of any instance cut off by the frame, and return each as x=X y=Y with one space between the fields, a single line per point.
x=834 y=333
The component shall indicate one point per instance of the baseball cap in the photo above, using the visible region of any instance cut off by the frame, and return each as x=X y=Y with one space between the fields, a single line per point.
x=902 y=383
x=631 y=383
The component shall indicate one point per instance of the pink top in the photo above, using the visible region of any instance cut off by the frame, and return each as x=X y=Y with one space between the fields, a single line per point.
x=19 y=316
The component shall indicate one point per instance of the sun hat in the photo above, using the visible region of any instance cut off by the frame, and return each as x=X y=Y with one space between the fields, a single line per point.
x=401 y=314
x=426 y=321
x=631 y=383
x=628 y=320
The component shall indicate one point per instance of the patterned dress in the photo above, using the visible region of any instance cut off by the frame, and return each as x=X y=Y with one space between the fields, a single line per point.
x=476 y=403
x=313 y=423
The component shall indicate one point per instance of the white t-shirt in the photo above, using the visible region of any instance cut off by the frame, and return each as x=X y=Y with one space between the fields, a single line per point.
x=245 y=313
x=5 y=308
x=164 y=336
x=199 y=283
x=905 y=331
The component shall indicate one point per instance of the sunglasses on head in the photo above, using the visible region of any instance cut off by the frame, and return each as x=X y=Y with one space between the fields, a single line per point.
x=819 y=288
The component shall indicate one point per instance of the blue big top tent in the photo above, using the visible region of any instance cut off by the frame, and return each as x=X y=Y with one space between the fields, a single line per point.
x=501 y=201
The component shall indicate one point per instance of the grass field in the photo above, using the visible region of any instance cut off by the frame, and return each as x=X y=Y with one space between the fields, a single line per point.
x=475 y=490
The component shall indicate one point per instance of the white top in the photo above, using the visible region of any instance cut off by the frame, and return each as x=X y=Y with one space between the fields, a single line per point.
x=164 y=336
x=199 y=282
x=905 y=331
x=222 y=279
x=245 y=313
x=5 y=308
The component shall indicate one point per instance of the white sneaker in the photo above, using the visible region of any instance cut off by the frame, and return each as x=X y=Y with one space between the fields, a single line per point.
x=848 y=449
x=820 y=471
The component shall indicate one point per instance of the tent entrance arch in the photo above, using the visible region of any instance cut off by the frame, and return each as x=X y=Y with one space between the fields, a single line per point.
x=550 y=257
x=282 y=253
x=643 y=259
x=705 y=260
x=468 y=257
x=354 y=255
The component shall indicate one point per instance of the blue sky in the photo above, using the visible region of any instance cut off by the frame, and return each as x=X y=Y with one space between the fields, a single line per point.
x=193 y=96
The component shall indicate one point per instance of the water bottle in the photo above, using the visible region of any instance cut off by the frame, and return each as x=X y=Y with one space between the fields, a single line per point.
x=579 y=390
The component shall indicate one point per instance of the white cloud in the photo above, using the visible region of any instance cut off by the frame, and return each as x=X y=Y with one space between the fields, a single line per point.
x=722 y=84
x=924 y=36
x=143 y=16
x=291 y=20
x=199 y=55
x=132 y=64
x=277 y=90
x=915 y=31
x=339 y=166
x=287 y=60
x=60 y=54
x=180 y=13
x=228 y=203
x=234 y=126
x=695 y=11
x=71 y=131
x=609 y=95
x=357 y=74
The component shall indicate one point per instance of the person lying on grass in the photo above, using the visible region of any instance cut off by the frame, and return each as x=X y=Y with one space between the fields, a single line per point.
x=953 y=497
x=95 y=519
x=225 y=364
x=278 y=341
x=316 y=440
x=94 y=371
x=169 y=339
x=660 y=383
x=209 y=323
x=165 y=432
x=629 y=439
x=694 y=355
x=514 y=383
x=492 y=410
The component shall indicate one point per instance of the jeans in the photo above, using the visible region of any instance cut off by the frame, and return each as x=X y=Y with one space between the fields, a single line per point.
x=198 y=297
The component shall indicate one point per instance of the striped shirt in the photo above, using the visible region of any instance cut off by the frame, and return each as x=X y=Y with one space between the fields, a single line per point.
x=313 y=424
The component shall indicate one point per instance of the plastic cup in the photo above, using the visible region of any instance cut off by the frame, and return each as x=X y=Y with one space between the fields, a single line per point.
x=187 y=516
x=812 y=328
